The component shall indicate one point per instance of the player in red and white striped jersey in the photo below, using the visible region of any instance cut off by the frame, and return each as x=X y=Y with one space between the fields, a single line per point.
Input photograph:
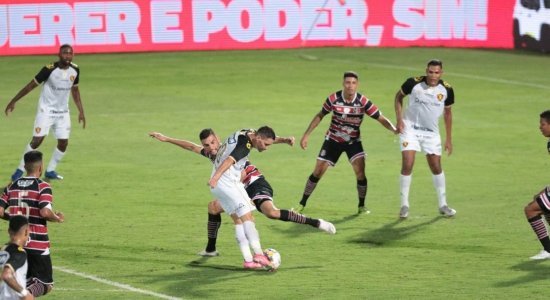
x=32 y=197
x=541 y=202
x=348 y=108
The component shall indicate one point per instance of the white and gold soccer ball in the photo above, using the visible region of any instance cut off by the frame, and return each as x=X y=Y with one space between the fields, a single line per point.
x=274 y=257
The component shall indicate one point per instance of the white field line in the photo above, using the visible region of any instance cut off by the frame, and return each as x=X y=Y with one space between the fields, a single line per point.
x=469 y=76
x=116 y=284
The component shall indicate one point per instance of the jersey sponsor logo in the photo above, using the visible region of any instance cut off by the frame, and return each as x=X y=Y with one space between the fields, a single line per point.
x=440 y=97
x=37 y=129
x=24 y=183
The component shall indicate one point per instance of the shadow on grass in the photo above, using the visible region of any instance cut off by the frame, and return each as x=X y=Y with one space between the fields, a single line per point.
x=537 y=270
x=391 y=232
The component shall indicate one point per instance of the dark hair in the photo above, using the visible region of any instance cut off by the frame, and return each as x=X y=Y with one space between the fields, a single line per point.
x=351 y=74
x=435 y=62
x=206 y=133
x=32 y=156
x=16 y=222
x=65 y=46
x=266 y=132
x=546 y=115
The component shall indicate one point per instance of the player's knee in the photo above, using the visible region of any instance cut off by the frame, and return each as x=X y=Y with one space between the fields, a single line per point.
x=532 y=210
x=214 y=208
x=62 y=145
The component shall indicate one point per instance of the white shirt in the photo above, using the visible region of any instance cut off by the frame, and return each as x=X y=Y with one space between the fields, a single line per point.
x=56 y=90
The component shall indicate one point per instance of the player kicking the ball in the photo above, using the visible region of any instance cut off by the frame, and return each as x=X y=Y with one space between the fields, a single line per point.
x=257 y=188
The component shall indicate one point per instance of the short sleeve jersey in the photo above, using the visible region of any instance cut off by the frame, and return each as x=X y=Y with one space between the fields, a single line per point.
x=426 y=103
x=29 y=195
x=237 y=146
x=57 y=87
x=14 y=257
x=347 y=116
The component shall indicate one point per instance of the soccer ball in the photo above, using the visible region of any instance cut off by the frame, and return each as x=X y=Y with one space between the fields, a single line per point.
x=274 y=257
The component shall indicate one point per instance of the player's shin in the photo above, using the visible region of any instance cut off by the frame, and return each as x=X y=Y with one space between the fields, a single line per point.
x=244 y=246
x=253 y=236
x=214 y=223
x=541 y=231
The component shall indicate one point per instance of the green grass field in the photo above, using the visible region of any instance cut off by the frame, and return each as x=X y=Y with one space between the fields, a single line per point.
x=136 y=208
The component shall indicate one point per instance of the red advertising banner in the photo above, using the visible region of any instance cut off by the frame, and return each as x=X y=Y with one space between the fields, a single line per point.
x=40 y=26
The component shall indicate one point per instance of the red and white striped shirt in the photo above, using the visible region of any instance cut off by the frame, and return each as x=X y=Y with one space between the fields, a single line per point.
x=28 y=195
x=347 y=116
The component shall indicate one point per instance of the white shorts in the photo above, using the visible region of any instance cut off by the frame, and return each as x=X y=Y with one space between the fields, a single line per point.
x=59 y=122
x=420 y=140
x=232 y=196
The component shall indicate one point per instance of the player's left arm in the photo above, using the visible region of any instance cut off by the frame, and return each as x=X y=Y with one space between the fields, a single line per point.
x=78 y=102
x=51 y=216
x=448 y=118
x=8 y=276
x=284 y=140
x=387 y=123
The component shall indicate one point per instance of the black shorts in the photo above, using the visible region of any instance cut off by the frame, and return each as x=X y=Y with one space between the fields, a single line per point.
x=543 y=199
x=331 y=151
x=40 y=266
x=260 y=191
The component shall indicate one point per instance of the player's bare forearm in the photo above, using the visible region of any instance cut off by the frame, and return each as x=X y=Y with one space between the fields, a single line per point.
x=312 y=125
x=50 y=216
x=448 y=118
x=286 y=140
x=387 y=124
x=226 y=164
x=187 y=145
x=22 y=93
x=78 y=102
x=8 y=277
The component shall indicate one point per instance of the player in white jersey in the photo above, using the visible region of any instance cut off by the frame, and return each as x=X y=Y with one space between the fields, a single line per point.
x=60 y=80
x=13 y=261
x=540 y=205
x=226 y=185
x=429 y=98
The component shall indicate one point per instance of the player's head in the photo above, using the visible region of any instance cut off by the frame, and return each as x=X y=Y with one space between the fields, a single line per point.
x=351 y=80
x=434 y=71
x=545 y=123
x=65 y=54
x=265 y=137
x=33 y=162
x=209 y=141
x=19 y=226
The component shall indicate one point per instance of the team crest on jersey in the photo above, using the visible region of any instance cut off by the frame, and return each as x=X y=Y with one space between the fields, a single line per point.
x=71 y=78
x=405 y=144
x=440 y=97
x=37 y=129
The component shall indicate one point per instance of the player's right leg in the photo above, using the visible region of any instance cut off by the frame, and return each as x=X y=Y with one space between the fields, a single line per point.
x=213 y=225
x=328 y=156
x=405 y=179
x=533 y=212
x=62 y=131
x=269 y=210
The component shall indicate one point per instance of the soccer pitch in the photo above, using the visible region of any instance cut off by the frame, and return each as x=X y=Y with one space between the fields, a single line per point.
x=136 y=209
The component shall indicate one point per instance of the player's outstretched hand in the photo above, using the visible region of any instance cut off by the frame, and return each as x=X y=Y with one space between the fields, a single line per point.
x=290 y=141
x=303 y=142
x=159 y=136
x=9 y=108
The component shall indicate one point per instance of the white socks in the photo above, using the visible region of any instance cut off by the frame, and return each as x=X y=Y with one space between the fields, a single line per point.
x=56 y=157
x=252 y=236
x=243 y=242
x=439 y=184
x=22 y=162
x=404 y=187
